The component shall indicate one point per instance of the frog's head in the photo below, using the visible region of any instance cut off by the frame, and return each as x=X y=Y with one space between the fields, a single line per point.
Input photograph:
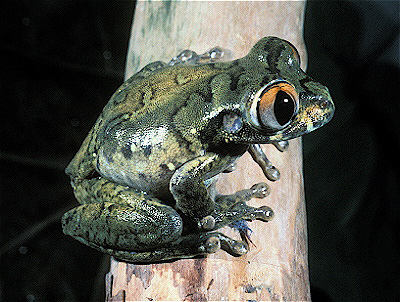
x=283 y=101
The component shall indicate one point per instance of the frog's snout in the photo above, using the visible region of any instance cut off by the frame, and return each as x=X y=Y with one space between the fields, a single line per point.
x=327 y=109
x=318 y=114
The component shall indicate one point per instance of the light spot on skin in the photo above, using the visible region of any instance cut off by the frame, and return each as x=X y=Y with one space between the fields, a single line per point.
x=171 y=166
x=151 y=137
x=214 y=113
x=310 y=126
x=118 y=157
x=262 y=58
x=193 y=131
x=181 y=80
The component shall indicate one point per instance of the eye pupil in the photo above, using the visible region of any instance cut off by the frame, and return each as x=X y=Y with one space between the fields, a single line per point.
x=283 y=107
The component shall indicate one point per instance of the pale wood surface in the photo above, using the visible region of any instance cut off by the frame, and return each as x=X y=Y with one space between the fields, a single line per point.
x=276 y=267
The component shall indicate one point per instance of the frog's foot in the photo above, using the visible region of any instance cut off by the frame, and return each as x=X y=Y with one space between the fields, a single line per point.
x=213 y=241
x=233 y=208
x=189 y=246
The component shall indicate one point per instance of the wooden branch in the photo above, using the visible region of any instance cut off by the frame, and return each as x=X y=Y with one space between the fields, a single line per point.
x=276 y=267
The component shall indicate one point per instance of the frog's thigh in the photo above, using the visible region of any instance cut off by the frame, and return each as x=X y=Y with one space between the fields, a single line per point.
x=142 y=224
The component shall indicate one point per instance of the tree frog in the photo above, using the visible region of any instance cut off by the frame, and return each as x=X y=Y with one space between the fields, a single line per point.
x=144 y=175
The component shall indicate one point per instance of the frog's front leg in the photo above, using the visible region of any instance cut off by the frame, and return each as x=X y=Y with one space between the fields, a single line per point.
x=192 y=197
x=188 y=187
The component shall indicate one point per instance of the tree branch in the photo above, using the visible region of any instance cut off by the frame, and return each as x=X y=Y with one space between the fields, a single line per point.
x=276 y=267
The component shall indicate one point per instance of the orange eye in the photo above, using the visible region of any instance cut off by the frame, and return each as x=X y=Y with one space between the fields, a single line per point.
x=274 y=106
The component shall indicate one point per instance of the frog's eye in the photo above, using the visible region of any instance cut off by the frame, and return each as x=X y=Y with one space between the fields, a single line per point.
x=274 y=106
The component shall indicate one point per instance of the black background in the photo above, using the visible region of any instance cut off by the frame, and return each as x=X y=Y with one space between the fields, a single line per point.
x=60 y=61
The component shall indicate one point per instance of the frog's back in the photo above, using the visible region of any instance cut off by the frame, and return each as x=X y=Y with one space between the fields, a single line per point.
x=158 y=89
x=147 y=90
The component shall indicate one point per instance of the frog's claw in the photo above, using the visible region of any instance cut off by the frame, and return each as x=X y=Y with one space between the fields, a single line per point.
x=244 y=230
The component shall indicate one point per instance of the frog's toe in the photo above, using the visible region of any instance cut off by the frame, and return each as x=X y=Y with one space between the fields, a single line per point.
x=238 y=248
x=272 y=173
x=217 y=241
x=232 y=167
x=281 y=146
x=261 y=159
x=207 y=223
x=260 y=190
x=233 y=247
x=263 y=213
x=185 y=56
x=212 y=245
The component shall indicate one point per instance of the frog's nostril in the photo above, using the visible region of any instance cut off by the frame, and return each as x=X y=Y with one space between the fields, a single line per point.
x=324 y=104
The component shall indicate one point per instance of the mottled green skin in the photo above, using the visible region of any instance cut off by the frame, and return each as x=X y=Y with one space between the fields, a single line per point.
x=142 y=173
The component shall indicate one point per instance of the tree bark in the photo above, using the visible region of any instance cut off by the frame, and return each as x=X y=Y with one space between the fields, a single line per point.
x=276 y=267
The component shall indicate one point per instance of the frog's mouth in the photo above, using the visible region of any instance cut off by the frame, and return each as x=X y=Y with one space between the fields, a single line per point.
x=309 y=118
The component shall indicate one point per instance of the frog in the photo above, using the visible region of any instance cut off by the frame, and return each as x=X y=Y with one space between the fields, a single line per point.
x=145 y=174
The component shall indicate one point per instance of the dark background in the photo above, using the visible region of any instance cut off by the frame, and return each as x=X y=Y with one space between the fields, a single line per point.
x=60 y=61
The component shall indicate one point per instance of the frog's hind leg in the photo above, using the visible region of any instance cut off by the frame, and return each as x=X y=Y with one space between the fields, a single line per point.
x=135 y=227
x=118 y=217
x=119 y=226
x=189 y=246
